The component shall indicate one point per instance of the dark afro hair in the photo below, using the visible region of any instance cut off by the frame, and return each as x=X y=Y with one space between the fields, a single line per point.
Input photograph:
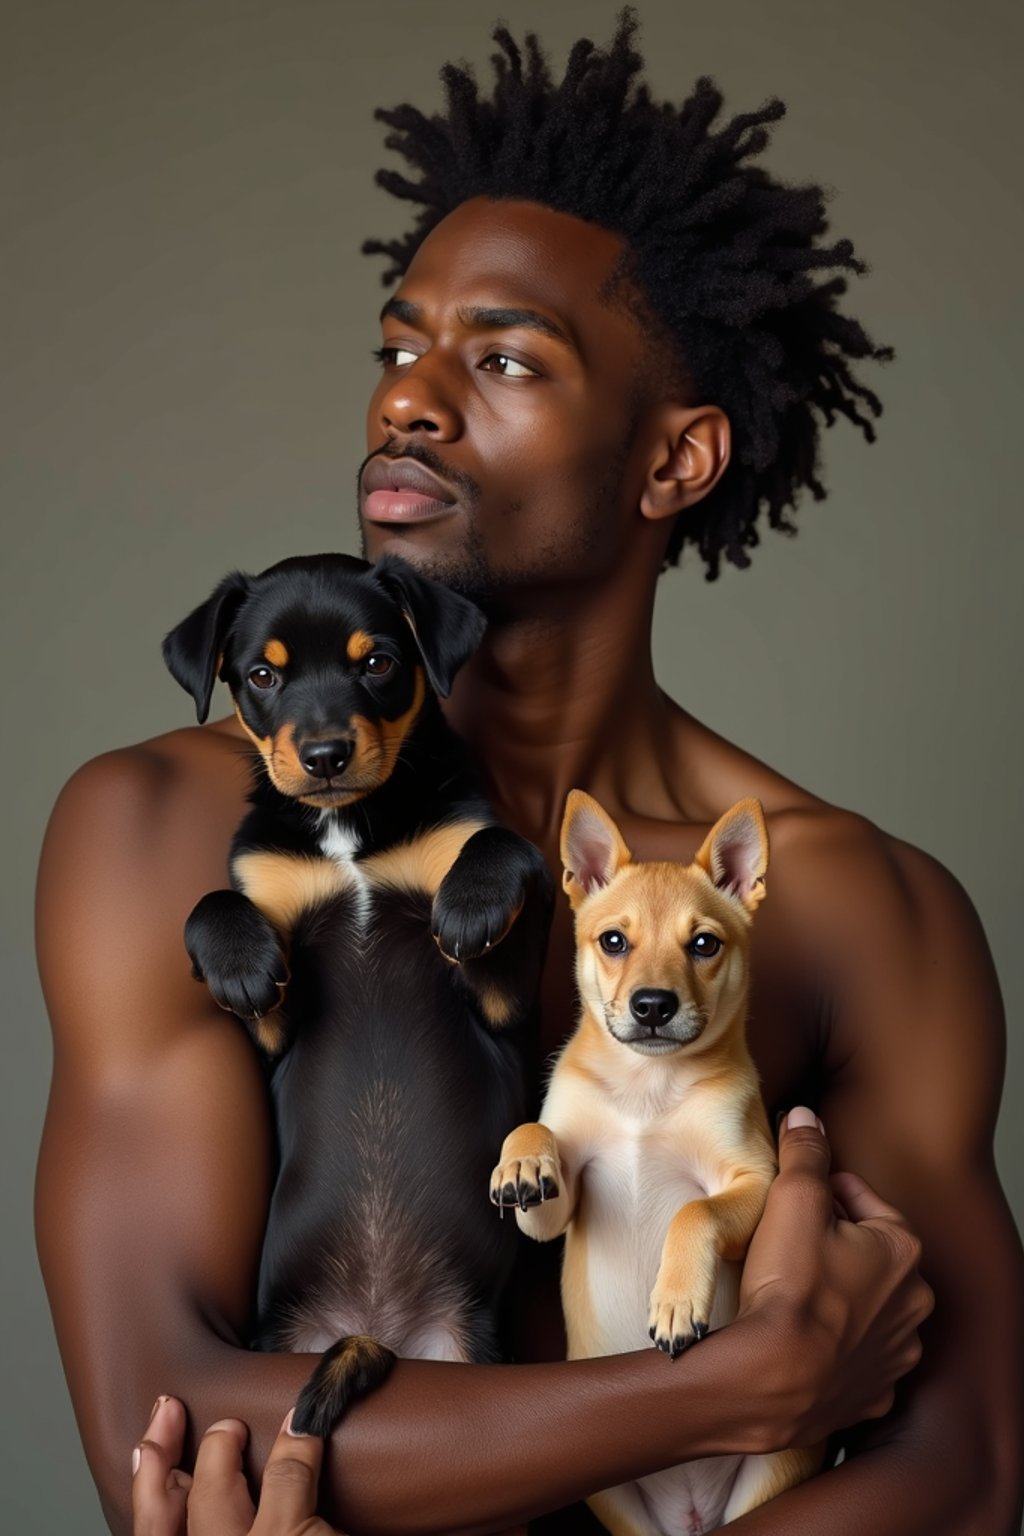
x=725 y=260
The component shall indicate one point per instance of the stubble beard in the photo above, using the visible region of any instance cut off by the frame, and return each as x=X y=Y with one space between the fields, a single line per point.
x=568 y=556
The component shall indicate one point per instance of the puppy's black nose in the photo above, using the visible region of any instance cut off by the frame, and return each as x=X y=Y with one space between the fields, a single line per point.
x=324 y=759
x=653 y=1005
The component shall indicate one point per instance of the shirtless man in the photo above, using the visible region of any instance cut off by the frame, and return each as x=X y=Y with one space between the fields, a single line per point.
x=585 y=401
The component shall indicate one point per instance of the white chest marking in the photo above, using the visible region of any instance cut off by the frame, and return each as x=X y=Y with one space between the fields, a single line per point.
x=341 y=844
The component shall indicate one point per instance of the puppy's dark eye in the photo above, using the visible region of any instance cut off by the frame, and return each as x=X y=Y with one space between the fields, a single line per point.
x=614 y=943
x=703 y=945
x=378 y=664
x=263 y=678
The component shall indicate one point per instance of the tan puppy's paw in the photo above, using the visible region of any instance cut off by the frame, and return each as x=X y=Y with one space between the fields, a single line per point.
x=681 y=1303
x=526 y=1181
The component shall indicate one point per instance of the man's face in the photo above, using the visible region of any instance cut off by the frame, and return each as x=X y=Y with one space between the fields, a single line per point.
x=501 y=433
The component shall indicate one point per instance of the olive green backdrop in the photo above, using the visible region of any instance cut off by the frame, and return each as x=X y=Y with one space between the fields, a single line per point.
x=186 y=354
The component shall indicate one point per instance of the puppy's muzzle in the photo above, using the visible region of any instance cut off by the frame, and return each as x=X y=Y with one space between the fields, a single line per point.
x=657 y=1021
x=325 y=759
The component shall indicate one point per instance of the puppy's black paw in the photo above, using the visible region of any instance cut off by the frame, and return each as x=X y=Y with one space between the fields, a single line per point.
x=238 y=953
x=483 y=893
x=346 y=1372
x=525 y=1182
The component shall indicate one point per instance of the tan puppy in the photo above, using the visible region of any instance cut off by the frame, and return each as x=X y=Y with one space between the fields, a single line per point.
x=654 y=1154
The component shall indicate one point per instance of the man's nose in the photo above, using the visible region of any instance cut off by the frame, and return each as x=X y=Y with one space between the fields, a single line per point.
x=419 y=401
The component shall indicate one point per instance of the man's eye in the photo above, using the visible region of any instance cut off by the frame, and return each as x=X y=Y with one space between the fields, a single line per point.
x=614 y=943
x=378 y=664
x=703 y=945
x=394 y=357
x=262 y=677
x=509 y=367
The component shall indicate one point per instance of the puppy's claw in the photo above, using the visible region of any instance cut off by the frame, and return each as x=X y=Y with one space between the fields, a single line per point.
x=699 y=1331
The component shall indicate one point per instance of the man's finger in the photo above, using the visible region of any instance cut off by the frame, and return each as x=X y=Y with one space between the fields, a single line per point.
x=291 y=1481
x=859 y=1200
x=219 y=1504
x=803 y=1145
x=158 y=1492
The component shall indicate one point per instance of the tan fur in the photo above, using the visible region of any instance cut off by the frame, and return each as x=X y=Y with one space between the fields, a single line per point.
x=379 y=742
x=283 y=885
x=269 y=1034
x=420 y=865
x=494 y=1004
x=265 y=744
x=612 y=1517
x=662 y=1161
x=359 y=645
x=275 y=652
x=377 y=745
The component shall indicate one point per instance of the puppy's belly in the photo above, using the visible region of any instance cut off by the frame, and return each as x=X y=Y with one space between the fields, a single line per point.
x=613 y=1251
x=612 y=1254
x=438 y=1334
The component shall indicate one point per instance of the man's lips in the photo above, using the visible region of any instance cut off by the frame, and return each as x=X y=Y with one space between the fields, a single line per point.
x=402 y=491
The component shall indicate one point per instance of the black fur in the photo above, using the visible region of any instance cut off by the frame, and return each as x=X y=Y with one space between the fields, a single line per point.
x=393 y=1017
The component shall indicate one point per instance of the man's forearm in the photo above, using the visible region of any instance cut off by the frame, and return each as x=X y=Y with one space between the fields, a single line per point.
x=444 y=1447
x=908 y=1480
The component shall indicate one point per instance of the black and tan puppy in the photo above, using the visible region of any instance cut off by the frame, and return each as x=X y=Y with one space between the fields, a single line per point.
x=383 y=941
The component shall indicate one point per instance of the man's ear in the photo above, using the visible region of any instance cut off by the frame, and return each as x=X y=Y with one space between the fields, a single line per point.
x=192 y=650
x=592 y=847
x=692 y=449
x=447 y=627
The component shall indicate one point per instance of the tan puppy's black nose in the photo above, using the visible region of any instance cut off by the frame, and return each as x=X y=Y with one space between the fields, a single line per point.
x=325 y=759
x=653 y=1005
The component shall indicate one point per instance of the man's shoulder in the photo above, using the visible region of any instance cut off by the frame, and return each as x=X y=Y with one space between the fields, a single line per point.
x=827 y=862
x=837 y=866
x=188 y=786
x=208 y=758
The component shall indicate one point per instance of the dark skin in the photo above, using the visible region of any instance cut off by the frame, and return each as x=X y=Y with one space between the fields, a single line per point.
x=874 y=999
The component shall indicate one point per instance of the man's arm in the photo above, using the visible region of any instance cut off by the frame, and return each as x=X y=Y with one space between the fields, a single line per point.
x=914 y=1072
x=153 y=1185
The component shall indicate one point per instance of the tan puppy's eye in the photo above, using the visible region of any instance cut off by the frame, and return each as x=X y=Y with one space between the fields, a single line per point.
x=378 y=664
x=614 y=943
x=703 y=945
x=262 y=677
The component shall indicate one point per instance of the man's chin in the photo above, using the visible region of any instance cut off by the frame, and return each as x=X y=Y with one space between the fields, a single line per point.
x=464 y=571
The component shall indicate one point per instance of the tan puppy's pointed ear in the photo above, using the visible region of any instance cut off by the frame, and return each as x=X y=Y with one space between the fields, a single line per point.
x=735 y=853
x=592 y=847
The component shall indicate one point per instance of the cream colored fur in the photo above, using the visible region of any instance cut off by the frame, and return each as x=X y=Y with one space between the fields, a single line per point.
x=658 y=1147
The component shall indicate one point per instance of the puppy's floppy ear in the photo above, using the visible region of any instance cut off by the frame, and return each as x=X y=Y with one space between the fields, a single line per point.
x=592 y=847
x=447 y=628
x=735 y=853
x=192 y=650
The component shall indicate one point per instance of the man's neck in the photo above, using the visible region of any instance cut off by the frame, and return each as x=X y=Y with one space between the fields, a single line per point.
x=567 y=698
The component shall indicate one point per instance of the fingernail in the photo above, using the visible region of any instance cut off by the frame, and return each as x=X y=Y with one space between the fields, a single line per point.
x=819 y=1124
x=231 y=1425
x=802 y=1116
x=136 y=1458
x=156 y=1408
x=296 y=1434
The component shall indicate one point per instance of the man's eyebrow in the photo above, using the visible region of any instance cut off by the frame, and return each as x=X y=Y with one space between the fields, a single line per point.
x=480 y=318
x=401 y=309
x=506 y=319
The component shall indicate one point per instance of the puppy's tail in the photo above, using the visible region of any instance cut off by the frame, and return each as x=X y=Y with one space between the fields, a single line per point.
x=346 y=1372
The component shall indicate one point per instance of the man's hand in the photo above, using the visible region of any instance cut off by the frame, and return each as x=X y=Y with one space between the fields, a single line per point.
x=215 y=1500
x=832 y=1271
